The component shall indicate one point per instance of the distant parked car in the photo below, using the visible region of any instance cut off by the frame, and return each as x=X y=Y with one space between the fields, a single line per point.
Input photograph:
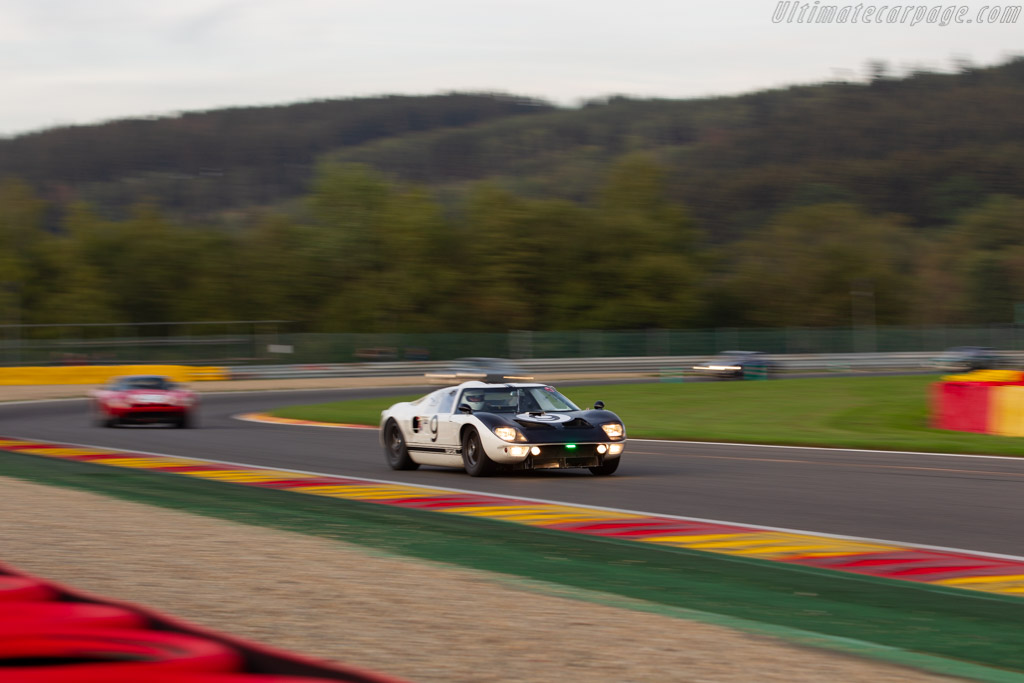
x=142 y=399
x=737 y=365
x=968 y=358
x=482 y=369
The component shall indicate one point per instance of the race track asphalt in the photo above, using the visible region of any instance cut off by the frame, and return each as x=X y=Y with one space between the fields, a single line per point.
x=966 y=502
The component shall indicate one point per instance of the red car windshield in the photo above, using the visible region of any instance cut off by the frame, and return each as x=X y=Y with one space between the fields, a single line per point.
x=151 y=383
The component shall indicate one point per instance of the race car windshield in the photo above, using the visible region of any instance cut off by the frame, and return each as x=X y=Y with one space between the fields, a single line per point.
x=517 y=400
x=154 y=383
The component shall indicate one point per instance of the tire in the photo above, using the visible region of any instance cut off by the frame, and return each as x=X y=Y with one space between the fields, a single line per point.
x=184 y=422
x=607 y=468
x=395 y=449
x=474 y=459
x=100 y=418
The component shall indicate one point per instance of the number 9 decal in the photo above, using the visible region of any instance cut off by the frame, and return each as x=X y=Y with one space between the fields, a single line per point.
x=433 y=428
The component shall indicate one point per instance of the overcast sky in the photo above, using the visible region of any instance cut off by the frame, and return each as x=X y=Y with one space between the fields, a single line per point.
x=84 y=61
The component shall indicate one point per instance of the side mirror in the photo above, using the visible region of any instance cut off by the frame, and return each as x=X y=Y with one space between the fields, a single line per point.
x=598 y=405
x=464 y=408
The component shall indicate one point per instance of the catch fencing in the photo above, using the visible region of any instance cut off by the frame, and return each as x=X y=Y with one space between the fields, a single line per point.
x=654 y=366
x=267 y=343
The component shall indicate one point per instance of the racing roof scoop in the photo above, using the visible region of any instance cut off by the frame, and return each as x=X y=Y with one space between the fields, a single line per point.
x=500 y=378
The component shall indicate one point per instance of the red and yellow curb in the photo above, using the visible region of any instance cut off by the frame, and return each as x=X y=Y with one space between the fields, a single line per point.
x=963 y=570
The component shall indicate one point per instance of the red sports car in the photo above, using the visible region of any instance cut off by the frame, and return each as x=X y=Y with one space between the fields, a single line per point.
x=144 y=399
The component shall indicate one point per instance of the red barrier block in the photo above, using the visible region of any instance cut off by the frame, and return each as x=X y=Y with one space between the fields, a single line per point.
x=192 y=677
x=963 y=406
x=23 y=588
x=24 y=617
x=59 y=664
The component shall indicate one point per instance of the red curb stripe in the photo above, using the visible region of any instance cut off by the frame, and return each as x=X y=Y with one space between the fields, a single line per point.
x=865 y=557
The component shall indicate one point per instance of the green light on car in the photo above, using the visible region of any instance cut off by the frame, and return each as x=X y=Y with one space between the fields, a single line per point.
x=570 y=446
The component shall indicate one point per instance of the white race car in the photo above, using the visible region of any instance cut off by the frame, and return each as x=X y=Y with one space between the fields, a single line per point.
x=486 y=427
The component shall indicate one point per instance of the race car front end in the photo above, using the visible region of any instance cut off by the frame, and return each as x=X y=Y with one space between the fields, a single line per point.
x=141 y=407
x=531 y=443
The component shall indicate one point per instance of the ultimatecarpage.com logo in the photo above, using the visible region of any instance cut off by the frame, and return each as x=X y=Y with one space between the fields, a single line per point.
x=816 y=13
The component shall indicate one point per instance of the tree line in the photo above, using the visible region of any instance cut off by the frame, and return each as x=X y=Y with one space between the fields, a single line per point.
x=363 y=252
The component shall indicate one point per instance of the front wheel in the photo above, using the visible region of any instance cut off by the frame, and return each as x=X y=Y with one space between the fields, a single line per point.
x=395 y=449
x=474 y=459
x=606 y=468
x=100 y=418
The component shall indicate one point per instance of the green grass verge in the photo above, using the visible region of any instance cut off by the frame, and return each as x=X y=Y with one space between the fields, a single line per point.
x=959 y=627
x=889 y=413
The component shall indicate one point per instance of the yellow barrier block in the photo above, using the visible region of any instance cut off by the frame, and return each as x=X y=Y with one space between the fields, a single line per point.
x=207 y=374
x=100 y=374
x=1006 y=411
x=987 y=376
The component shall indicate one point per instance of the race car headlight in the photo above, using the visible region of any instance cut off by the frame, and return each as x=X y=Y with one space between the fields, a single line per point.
x=507 y=433
x=613 y=430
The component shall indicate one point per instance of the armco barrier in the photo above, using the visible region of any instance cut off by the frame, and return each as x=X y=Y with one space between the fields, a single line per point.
x=99 y=374
x=651 y=365
x=52 y=634
x=655 y=366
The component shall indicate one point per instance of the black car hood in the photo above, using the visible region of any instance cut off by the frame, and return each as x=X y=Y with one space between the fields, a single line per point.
x=568 y=426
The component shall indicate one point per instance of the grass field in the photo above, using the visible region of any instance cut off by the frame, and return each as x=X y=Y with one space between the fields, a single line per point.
x=890 y=413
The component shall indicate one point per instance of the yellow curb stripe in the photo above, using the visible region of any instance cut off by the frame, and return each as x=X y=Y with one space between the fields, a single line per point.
x=145 y=463
x=1014 y=579
x=58 y=452
x=530 y=515
x=359 y=492
x=67 y=452
x=318 y=490
x=753 y=543
x=240 y=475
x=770 y=544
x=363 y=493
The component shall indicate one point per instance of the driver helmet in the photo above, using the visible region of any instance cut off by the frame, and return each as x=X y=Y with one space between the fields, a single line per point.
x=475 y=399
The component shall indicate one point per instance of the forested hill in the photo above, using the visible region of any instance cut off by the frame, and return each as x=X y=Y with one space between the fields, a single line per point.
x=899 y=201
x=925 y=146
x=204 y=162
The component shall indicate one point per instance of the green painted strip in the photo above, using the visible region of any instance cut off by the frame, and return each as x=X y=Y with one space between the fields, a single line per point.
x=939 y=665
x=900 y=621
